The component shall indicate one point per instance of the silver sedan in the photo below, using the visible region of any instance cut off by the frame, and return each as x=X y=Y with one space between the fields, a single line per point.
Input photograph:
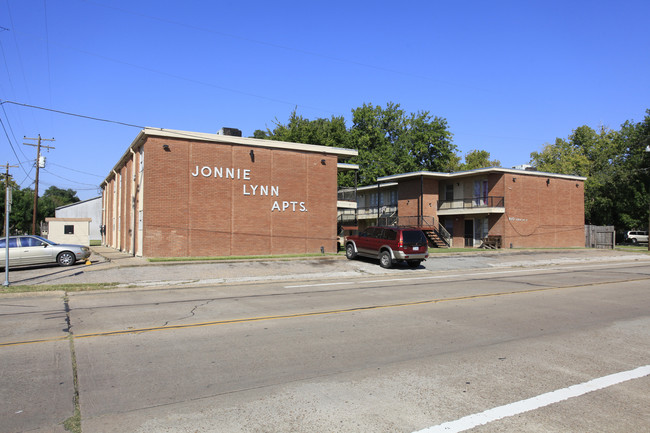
x=35 y=250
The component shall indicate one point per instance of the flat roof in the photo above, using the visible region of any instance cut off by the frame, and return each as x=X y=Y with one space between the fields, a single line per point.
x=341 y=152
x=375 y=186
x=438 y=175
x=342 y=166
x=256 y=142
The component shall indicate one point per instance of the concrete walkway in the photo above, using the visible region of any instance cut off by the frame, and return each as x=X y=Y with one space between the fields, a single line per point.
x=114 y=267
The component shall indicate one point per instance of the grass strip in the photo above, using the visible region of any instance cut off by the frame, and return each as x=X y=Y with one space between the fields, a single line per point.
x=219 y=258
x=57 y=287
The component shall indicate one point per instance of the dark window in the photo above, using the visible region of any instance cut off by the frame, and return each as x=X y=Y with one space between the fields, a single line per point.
x=413 y=237
x=68 y=229
x=390 y=235
x=12 y=243
x=27 y=241
x=373 y=232
x=449 y=192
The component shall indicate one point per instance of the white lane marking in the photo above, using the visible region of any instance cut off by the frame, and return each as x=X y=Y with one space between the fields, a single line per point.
x=533 y=403
x=441 y=277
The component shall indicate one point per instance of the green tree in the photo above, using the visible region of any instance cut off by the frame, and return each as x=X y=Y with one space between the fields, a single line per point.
x=20 y=218
x=616 y=167
x=22 y=208
x=390 y=142
x=478 y=159
x=631 y=174
x=324 y=132
x=3 y=195
x=52 y=198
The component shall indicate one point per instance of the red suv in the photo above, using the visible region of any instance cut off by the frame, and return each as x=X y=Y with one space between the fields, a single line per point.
x=389 y=245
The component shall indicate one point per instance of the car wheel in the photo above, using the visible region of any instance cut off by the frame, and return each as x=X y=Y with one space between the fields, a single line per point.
x=384 y=260
x=66 y=258
x=635 y=241
x=414 y=263
x=349 y=251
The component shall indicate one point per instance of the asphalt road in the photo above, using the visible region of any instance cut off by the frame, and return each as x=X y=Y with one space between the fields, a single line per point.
x=390 y=352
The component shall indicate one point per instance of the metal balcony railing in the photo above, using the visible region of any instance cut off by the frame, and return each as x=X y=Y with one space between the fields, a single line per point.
x=471 y=203
x=347 y=194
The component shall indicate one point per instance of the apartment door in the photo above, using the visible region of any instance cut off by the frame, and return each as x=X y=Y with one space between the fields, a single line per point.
x=469 y=233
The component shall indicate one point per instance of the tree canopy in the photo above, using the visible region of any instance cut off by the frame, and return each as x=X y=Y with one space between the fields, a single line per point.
x=388 y=140
x=22 y=208
x=616 y=166
x=478 y=159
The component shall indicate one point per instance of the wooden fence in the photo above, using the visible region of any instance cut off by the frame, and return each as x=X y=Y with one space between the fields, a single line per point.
x=603 y=237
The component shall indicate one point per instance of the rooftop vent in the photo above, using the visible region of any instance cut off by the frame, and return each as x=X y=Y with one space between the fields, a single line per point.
x=234 y=132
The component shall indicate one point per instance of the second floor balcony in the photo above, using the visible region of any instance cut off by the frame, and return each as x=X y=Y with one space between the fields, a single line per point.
x=473 y=205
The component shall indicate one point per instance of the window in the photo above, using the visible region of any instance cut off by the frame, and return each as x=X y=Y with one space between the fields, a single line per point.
x=393 y=197
x=68 y=229
x=480 y=192
x=390 y=235
x=12 y=243
x=27 y=241
x=449 y=192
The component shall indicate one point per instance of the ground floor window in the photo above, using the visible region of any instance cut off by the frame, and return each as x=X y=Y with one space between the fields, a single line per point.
x=476 y=230
x=480 y=229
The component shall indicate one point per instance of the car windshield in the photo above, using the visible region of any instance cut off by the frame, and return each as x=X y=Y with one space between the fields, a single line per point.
x=47 y=241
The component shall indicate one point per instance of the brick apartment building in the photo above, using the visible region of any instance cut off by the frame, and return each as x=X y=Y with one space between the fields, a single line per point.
x=190 y=194
x=508 y=207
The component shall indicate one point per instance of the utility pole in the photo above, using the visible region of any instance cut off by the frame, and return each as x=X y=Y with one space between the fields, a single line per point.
x=38 y=164
x=7 y=210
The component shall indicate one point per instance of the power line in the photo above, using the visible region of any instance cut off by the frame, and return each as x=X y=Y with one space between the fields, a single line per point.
x=69 y=180
x=192 y=80
x=38 y=164
x=13 y=134
x=20 y=58
x=72 y=114
x=78 y=171
x=12 y=147
x=277 y=46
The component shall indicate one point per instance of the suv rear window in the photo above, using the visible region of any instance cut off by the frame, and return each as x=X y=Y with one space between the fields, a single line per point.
x=413 y=237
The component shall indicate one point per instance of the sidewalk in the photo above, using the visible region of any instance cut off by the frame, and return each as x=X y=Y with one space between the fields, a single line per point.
x=111 y=266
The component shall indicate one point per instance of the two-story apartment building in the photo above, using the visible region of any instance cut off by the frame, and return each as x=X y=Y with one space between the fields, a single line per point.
x=191 y=194
x=489 y=206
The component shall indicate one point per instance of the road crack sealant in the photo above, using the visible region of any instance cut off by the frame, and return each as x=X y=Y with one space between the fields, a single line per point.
x=72 y=424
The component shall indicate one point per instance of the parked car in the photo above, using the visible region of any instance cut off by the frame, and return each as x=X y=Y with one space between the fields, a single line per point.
x=390 y=245
x=35 y=250
x=636 y=236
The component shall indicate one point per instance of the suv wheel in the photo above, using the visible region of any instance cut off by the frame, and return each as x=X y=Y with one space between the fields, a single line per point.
x=384 y=260
x=349 y=251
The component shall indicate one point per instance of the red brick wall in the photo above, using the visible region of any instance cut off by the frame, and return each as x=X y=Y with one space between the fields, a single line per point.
x=409 y=192
x=186 y=215
x=541 y=214
x=537 y=214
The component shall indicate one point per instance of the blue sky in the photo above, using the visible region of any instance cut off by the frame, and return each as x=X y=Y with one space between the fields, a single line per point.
x=509 y=76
